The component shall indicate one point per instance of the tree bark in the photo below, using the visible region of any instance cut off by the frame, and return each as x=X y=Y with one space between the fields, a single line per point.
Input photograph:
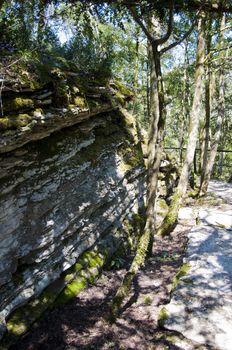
x=157 y=123
x=171 y=217
x=185 y=105
x=221 y=112
x=42 y=21
x=136 y=70
x=208 y=105
x=1 y=3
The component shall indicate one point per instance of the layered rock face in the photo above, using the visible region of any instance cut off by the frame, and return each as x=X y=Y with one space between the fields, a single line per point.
x=63 y=194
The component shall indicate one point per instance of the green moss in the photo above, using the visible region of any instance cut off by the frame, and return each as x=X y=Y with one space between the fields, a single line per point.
x=5 y=124
x=163 y=204
x=14 y=122
x=183 y=271
x=147 y=300
x=83 y=271
x=18 y=104
x=163 y=316
x=133 y=228
x=80 y=102
x=120 y=98
x=172 y=215
x=71 y=290
x=93 y=259
x=123 y=89
x=17 y=325
x=131 y=157
x=172 y=338
x=217 y=224
x=162 y=207
x=59 y=292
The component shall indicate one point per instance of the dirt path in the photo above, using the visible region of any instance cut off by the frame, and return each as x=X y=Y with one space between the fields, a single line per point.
x=79 y=324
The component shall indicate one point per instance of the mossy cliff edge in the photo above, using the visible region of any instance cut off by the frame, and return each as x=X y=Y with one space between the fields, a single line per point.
x=71 y=180
x=40 y=98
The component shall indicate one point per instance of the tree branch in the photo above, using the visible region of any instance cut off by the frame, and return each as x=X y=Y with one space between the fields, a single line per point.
x=190 y=5
x=171 y=46
x=170 y=26
x=140 y=23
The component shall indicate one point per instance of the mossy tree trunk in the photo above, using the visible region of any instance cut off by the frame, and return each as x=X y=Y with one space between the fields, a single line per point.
x=209 y=162
x=157 y=123
x=171 y=217
x=1 y=3
x=185 y=104
x=208 y=106
x=136 y=69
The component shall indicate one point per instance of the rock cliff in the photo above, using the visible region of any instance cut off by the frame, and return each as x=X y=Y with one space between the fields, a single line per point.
x=72 y=177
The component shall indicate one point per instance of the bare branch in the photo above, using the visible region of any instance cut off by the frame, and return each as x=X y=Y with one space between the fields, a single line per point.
x=222 y=49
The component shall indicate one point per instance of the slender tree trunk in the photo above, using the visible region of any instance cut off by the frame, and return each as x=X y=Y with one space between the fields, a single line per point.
x=42 y=21
x=136 y=70
x=221 y=113
x=185 y=105
x=1 y=4
x=157 y=124
x=148 y=71
x=171 y=217
x=208 y=103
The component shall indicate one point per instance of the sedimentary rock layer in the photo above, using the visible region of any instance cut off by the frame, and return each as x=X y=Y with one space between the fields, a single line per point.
x=61 y=195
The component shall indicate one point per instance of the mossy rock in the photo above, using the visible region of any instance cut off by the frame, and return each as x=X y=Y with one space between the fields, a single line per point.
x=14 y=122
x=163 y=316
x=132 y=156
x=71 y=290
x=80 y=102
x=122 y=89
x=183 y=271
x=18 y=104
x=70 y=283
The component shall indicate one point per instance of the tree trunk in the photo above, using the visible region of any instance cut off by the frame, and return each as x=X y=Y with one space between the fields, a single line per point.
x=148 y=79
x=156 y=134
x=1 y=4
x=221 y=113
x=171 y=217
x=208 y=100
x=136 y=70
x=42 y=21
x=185 y=105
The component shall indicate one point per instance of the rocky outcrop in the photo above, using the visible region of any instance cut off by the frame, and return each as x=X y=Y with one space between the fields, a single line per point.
x=72 y=182
x=62 y=195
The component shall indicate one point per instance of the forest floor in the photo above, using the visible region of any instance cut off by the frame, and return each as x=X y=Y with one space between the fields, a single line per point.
x=80 y=325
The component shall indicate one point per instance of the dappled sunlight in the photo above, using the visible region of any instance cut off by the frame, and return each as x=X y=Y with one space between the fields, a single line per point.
x=201 y=305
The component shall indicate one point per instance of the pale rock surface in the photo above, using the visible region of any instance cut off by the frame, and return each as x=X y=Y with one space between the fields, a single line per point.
x=60 y=196
x=201 y=305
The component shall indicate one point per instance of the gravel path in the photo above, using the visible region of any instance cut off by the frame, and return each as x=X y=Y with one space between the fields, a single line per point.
x=201 y=306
